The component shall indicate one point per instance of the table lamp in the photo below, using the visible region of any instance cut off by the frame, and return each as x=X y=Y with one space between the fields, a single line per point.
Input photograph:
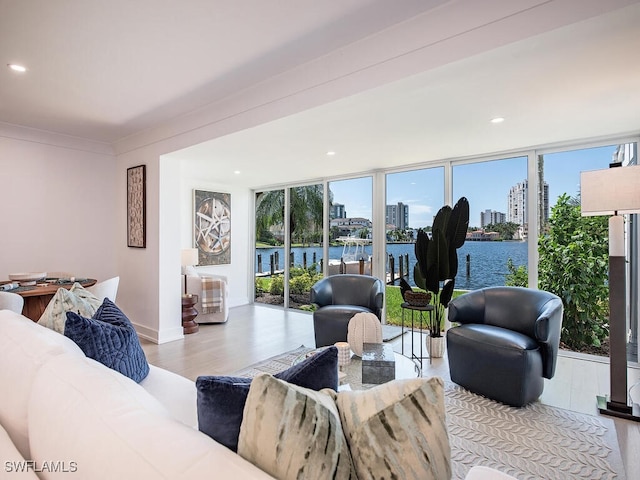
x=188 y=258
x=614 y=191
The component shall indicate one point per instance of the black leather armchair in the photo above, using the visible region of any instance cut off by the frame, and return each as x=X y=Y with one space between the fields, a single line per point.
x=340 y=297
x=507 y=342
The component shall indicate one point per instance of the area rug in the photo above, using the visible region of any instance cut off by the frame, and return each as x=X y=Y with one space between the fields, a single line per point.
x=535 y=442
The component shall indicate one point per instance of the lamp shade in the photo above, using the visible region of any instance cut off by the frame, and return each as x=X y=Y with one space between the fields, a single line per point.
x=189 y=257
x=610 y=191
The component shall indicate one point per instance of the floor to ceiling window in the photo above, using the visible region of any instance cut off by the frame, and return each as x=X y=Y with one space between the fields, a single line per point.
x=573 y=250
x=288 y=249
x=350 y=226
x=504 y=228
x=269 y=249
x=496 y=246
x=305 y=236
x=413 y=199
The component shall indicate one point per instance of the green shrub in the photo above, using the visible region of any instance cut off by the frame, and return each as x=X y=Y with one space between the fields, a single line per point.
x=262 y=285
x=574 y=265
x=517 y=276
x=300 y=284
x=277 y=285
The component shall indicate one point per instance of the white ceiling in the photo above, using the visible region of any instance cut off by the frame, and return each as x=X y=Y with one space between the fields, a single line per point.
x=106 y=70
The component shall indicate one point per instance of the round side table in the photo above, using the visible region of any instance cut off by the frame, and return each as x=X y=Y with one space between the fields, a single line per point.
x=189 y=312
x=420 y=309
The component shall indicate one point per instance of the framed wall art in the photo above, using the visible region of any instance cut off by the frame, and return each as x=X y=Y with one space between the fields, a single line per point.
x=212 y=227
x=136 y=207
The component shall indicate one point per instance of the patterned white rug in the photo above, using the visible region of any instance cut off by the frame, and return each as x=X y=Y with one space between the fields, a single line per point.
x=534 y=442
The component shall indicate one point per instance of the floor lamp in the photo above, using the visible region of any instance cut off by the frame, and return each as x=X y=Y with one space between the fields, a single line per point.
x=614 y=191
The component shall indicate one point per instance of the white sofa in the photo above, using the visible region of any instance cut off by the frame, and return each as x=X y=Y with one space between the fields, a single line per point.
x=66 y=412
x=70 y=416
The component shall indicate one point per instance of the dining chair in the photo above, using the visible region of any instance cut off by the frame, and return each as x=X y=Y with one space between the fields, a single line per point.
x=11 y=301
x=106 y=289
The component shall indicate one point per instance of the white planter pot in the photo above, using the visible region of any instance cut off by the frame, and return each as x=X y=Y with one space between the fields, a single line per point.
x=435 y=346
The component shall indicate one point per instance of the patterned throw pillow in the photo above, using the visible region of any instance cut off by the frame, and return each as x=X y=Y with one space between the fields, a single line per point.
x=397 y=430
x=292 y=432
x=77 y=299
x=221 y=399
x=109 y=338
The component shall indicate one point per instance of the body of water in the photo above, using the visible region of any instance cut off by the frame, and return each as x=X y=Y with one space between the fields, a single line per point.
x=487 y=266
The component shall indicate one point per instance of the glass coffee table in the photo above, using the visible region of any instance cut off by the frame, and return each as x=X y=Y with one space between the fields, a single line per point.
x=350 y=376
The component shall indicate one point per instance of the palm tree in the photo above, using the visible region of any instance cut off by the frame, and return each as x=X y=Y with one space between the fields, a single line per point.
x=305 y=213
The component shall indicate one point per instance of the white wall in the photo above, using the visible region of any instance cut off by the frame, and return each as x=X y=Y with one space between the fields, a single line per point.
x=241 y=250
x=58 y=205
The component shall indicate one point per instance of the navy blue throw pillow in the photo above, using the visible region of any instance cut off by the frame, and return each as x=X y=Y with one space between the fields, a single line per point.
x=221 y=399
x=109 y=338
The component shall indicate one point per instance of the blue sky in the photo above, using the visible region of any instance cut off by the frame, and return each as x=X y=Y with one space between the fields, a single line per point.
x=486 y=185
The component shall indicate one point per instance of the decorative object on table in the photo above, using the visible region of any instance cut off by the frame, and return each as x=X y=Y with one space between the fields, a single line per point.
x=188 y=258
x=212 y=227
x=338 y=298
x=363 y=328
x=417 y=299
x=28 y=278
x=137 y=207
x=378 y=363
x=614 y=192
x=437 y=260
x=344 y=354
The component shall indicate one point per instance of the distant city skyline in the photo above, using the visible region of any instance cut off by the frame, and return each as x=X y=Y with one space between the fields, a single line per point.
x=485 y=184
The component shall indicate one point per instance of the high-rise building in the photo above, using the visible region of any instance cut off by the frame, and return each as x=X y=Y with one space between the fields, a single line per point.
x=517 y=203
x=337 y=211
x=398 y=215
x=491 y=217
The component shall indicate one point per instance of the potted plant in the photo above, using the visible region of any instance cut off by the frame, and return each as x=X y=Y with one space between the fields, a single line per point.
x=437 y=263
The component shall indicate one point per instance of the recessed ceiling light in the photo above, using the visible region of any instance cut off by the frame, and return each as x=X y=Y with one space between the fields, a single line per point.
x=237 y=172
x=17 y=68
x=497 y=120
x=331 y=152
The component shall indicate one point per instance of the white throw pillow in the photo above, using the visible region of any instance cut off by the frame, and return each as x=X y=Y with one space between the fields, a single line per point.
x=397 y=430
x=77 y=299
x=292 y=432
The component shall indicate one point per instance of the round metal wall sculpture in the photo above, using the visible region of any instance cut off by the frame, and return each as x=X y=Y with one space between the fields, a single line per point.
x=212 y=227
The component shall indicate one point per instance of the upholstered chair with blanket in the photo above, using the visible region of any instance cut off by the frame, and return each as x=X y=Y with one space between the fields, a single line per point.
x=212 y=291
x=340 y=297
x=506 y=343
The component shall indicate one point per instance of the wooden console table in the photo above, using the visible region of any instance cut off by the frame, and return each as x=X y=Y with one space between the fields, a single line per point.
x=37 y=298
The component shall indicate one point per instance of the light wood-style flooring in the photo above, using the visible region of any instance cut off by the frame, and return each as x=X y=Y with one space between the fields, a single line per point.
x=256 y=332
